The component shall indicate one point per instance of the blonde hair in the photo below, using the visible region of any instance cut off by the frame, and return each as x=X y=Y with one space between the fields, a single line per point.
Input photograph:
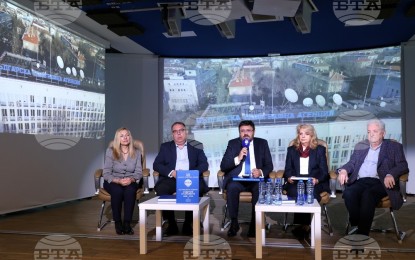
x=116 y=145
x=310 y=129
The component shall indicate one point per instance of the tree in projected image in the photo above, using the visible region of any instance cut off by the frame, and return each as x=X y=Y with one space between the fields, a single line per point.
x=329 y=90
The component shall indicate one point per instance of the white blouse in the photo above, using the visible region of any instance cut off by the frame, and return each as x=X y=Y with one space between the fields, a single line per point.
x=304 y=165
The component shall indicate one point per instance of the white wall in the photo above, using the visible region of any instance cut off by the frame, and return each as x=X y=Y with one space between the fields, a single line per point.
x=33 y=176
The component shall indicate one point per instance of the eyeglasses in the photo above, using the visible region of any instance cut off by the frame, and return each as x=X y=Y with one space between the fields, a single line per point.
x=181 y=131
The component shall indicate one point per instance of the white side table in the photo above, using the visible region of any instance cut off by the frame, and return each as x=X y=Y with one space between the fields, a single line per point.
x=314 y=209
x=200 y=209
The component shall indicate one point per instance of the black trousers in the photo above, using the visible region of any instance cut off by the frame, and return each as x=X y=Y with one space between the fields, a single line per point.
x=167 y=186
x=120 y=194
x=233 y=189
x=361 y=199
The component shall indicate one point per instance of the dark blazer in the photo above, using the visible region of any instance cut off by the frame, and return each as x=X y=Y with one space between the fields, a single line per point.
x=391 y=161
x=263 y=159
x=317 y=168
x=165 y=161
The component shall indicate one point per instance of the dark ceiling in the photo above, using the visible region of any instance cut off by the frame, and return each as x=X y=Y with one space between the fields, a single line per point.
x=145 y=22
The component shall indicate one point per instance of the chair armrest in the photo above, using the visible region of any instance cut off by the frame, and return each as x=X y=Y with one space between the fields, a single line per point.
x=97 y=177
x=156 y=177
x=403 y=179
x=220 y=175
x=146 y=174
x=206 y=175
x=333 y=183
x=333 y=175
x=278 y=174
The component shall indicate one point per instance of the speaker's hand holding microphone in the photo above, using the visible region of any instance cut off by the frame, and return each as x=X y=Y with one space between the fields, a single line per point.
x=244 y=150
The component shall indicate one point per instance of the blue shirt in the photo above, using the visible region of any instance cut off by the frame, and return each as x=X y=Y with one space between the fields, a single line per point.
x=369 y=167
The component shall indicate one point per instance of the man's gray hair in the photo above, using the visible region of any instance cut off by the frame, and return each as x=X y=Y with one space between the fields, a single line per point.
x=377 y=122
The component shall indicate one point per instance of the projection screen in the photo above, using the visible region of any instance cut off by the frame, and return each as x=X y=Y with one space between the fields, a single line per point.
x=336 y=92
x=52 y=102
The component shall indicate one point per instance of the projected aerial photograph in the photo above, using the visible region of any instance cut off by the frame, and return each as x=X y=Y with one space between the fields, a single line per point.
x=51 y=80
x=336 y=92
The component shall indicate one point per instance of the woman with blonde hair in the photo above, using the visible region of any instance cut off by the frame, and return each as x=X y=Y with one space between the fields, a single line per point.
x=306 y=158
x=122 y=174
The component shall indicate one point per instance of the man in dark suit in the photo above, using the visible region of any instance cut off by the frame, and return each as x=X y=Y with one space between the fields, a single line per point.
x=372 y=173
x=178 y=155
x=233 y=165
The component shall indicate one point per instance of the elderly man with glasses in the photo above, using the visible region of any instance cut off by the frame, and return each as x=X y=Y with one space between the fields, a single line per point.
x=178 y=155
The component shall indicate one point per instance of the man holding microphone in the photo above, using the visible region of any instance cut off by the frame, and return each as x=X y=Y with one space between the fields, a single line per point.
x=245 y=157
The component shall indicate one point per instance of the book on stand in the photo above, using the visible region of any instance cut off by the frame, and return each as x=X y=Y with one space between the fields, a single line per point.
x=295 y=178
x=167 y=198
x=287 y=200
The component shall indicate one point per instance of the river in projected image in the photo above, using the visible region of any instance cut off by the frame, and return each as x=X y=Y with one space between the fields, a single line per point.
x=336 y=92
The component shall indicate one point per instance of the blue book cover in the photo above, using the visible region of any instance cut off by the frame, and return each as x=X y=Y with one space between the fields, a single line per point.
x=187 y=186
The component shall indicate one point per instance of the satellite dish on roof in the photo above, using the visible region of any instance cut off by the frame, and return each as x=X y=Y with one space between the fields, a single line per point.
x=308 y=102
x=60 y=62
x=68 y=70
x=337 y=99
x=74 y=72
x=382 y=104
x=320 y=100
x=81 y=73
x=291 y=95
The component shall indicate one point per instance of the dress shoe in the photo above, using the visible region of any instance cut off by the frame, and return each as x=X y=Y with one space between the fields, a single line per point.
x=187 y=229
x=127 y=229
x=298 y=232
x=118 y=228
x=301 y=232
x=233 y=229
x=251 y=230
x=171 y=230
x=353 y=230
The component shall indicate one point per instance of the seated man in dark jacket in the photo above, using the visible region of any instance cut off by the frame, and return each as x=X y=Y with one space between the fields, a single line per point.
x=372 y=173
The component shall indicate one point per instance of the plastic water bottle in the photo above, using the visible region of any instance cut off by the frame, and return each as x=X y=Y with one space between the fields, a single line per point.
x=261 y=198
x=278 y=192
x=310 y=191
x=268 y=192
x=300 y=192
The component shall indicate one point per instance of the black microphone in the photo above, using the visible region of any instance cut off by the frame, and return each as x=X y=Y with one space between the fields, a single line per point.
x=245 y=143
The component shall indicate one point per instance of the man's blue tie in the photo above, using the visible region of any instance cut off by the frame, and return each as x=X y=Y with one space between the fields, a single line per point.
x=247 y=166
